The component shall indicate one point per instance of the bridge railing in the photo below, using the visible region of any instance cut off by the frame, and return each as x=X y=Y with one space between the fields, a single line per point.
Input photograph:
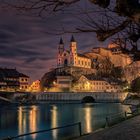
x=47 y=130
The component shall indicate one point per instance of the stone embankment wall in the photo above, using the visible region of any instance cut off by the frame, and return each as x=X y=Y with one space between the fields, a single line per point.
x=98 y=97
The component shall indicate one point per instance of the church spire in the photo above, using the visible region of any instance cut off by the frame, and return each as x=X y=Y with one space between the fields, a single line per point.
x=61 y=41
x=72 y=39
x=61 y=46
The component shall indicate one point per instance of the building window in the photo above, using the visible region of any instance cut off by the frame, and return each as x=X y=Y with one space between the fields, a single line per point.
x=79 y=62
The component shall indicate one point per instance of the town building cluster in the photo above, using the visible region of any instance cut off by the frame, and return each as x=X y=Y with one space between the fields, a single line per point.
x=80 y=72
x=11 y=80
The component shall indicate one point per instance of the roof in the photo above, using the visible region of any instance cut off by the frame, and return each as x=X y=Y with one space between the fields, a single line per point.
x=93 y=77
x=72 y=39
x=82 y=55
x=10 y=73
x=4 y=72
x=61 y=41
x=23 y=75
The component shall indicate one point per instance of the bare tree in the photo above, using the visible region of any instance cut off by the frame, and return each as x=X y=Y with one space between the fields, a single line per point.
x=121 y=17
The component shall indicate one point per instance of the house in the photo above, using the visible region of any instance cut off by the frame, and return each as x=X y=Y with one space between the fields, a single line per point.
x=12 y=80
x=91 y=83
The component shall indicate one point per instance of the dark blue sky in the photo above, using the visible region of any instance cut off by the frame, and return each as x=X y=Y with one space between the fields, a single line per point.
x=25 y=44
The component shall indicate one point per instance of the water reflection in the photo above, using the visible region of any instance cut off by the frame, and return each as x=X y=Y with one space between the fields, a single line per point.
x=33 y=121
x=27 y=120
x=46 y=116
x=54 y=121
x=88 y=119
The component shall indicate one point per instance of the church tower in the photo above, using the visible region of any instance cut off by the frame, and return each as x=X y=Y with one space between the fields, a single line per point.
x=73 y=51
x=61 y=47
x=60 y=52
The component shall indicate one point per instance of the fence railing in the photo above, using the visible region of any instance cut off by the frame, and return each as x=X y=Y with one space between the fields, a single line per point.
x=47 y=130
x=116 y=118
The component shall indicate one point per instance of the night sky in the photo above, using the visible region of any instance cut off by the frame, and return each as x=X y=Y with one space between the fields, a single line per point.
x=26 y=45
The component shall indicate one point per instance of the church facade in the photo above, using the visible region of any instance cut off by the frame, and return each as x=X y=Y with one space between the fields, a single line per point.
x=71 y=57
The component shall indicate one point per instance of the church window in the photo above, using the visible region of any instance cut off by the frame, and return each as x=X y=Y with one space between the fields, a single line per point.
x=79 y=62
x=65 y=62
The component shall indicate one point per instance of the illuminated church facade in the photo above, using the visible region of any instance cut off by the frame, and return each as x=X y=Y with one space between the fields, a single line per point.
x=71 y=57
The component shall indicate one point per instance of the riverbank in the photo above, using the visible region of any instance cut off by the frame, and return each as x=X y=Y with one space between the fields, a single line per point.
x=127 y=130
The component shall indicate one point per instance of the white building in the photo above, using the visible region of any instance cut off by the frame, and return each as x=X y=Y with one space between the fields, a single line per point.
x=93 y=84
x=71 y=57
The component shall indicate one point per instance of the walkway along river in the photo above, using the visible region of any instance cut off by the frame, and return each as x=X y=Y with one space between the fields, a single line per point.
x=17 y=120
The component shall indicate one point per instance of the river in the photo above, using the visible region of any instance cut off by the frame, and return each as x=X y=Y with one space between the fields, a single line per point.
x=16 y=120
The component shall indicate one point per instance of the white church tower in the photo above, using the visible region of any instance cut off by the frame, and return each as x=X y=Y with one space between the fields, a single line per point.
x=60 y=53
x=73 y=51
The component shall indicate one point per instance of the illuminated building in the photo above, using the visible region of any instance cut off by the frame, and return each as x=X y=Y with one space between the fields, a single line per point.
x=71 y=57
x=90 y=83
x=35 y=86
x=64 y=81
x=12 y=80
x=132 y=71
x=71 y=65
x=24 y=82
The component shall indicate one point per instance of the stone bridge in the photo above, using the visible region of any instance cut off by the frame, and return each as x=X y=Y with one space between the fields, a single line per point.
x=82 y=97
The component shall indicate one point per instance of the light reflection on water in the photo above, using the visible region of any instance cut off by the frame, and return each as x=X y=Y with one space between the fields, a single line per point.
x=88 y=119
x=54 y=120
x=27 y=120
x=16 y=120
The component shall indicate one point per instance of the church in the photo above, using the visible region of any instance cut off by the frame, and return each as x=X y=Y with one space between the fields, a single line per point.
x=85 y=72
x=71 y=57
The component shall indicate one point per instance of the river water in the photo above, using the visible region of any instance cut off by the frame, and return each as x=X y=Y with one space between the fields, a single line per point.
x=16 y=120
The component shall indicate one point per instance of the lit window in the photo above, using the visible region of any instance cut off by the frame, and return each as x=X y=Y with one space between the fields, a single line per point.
x=78 y=61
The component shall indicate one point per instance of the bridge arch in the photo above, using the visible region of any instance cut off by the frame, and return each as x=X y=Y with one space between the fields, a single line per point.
x=88 y=99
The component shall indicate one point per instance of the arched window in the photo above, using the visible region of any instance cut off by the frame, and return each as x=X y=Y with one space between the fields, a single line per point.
x=65 y=62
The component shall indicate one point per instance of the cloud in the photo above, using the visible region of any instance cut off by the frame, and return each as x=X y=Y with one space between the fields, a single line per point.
x=24 y=43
